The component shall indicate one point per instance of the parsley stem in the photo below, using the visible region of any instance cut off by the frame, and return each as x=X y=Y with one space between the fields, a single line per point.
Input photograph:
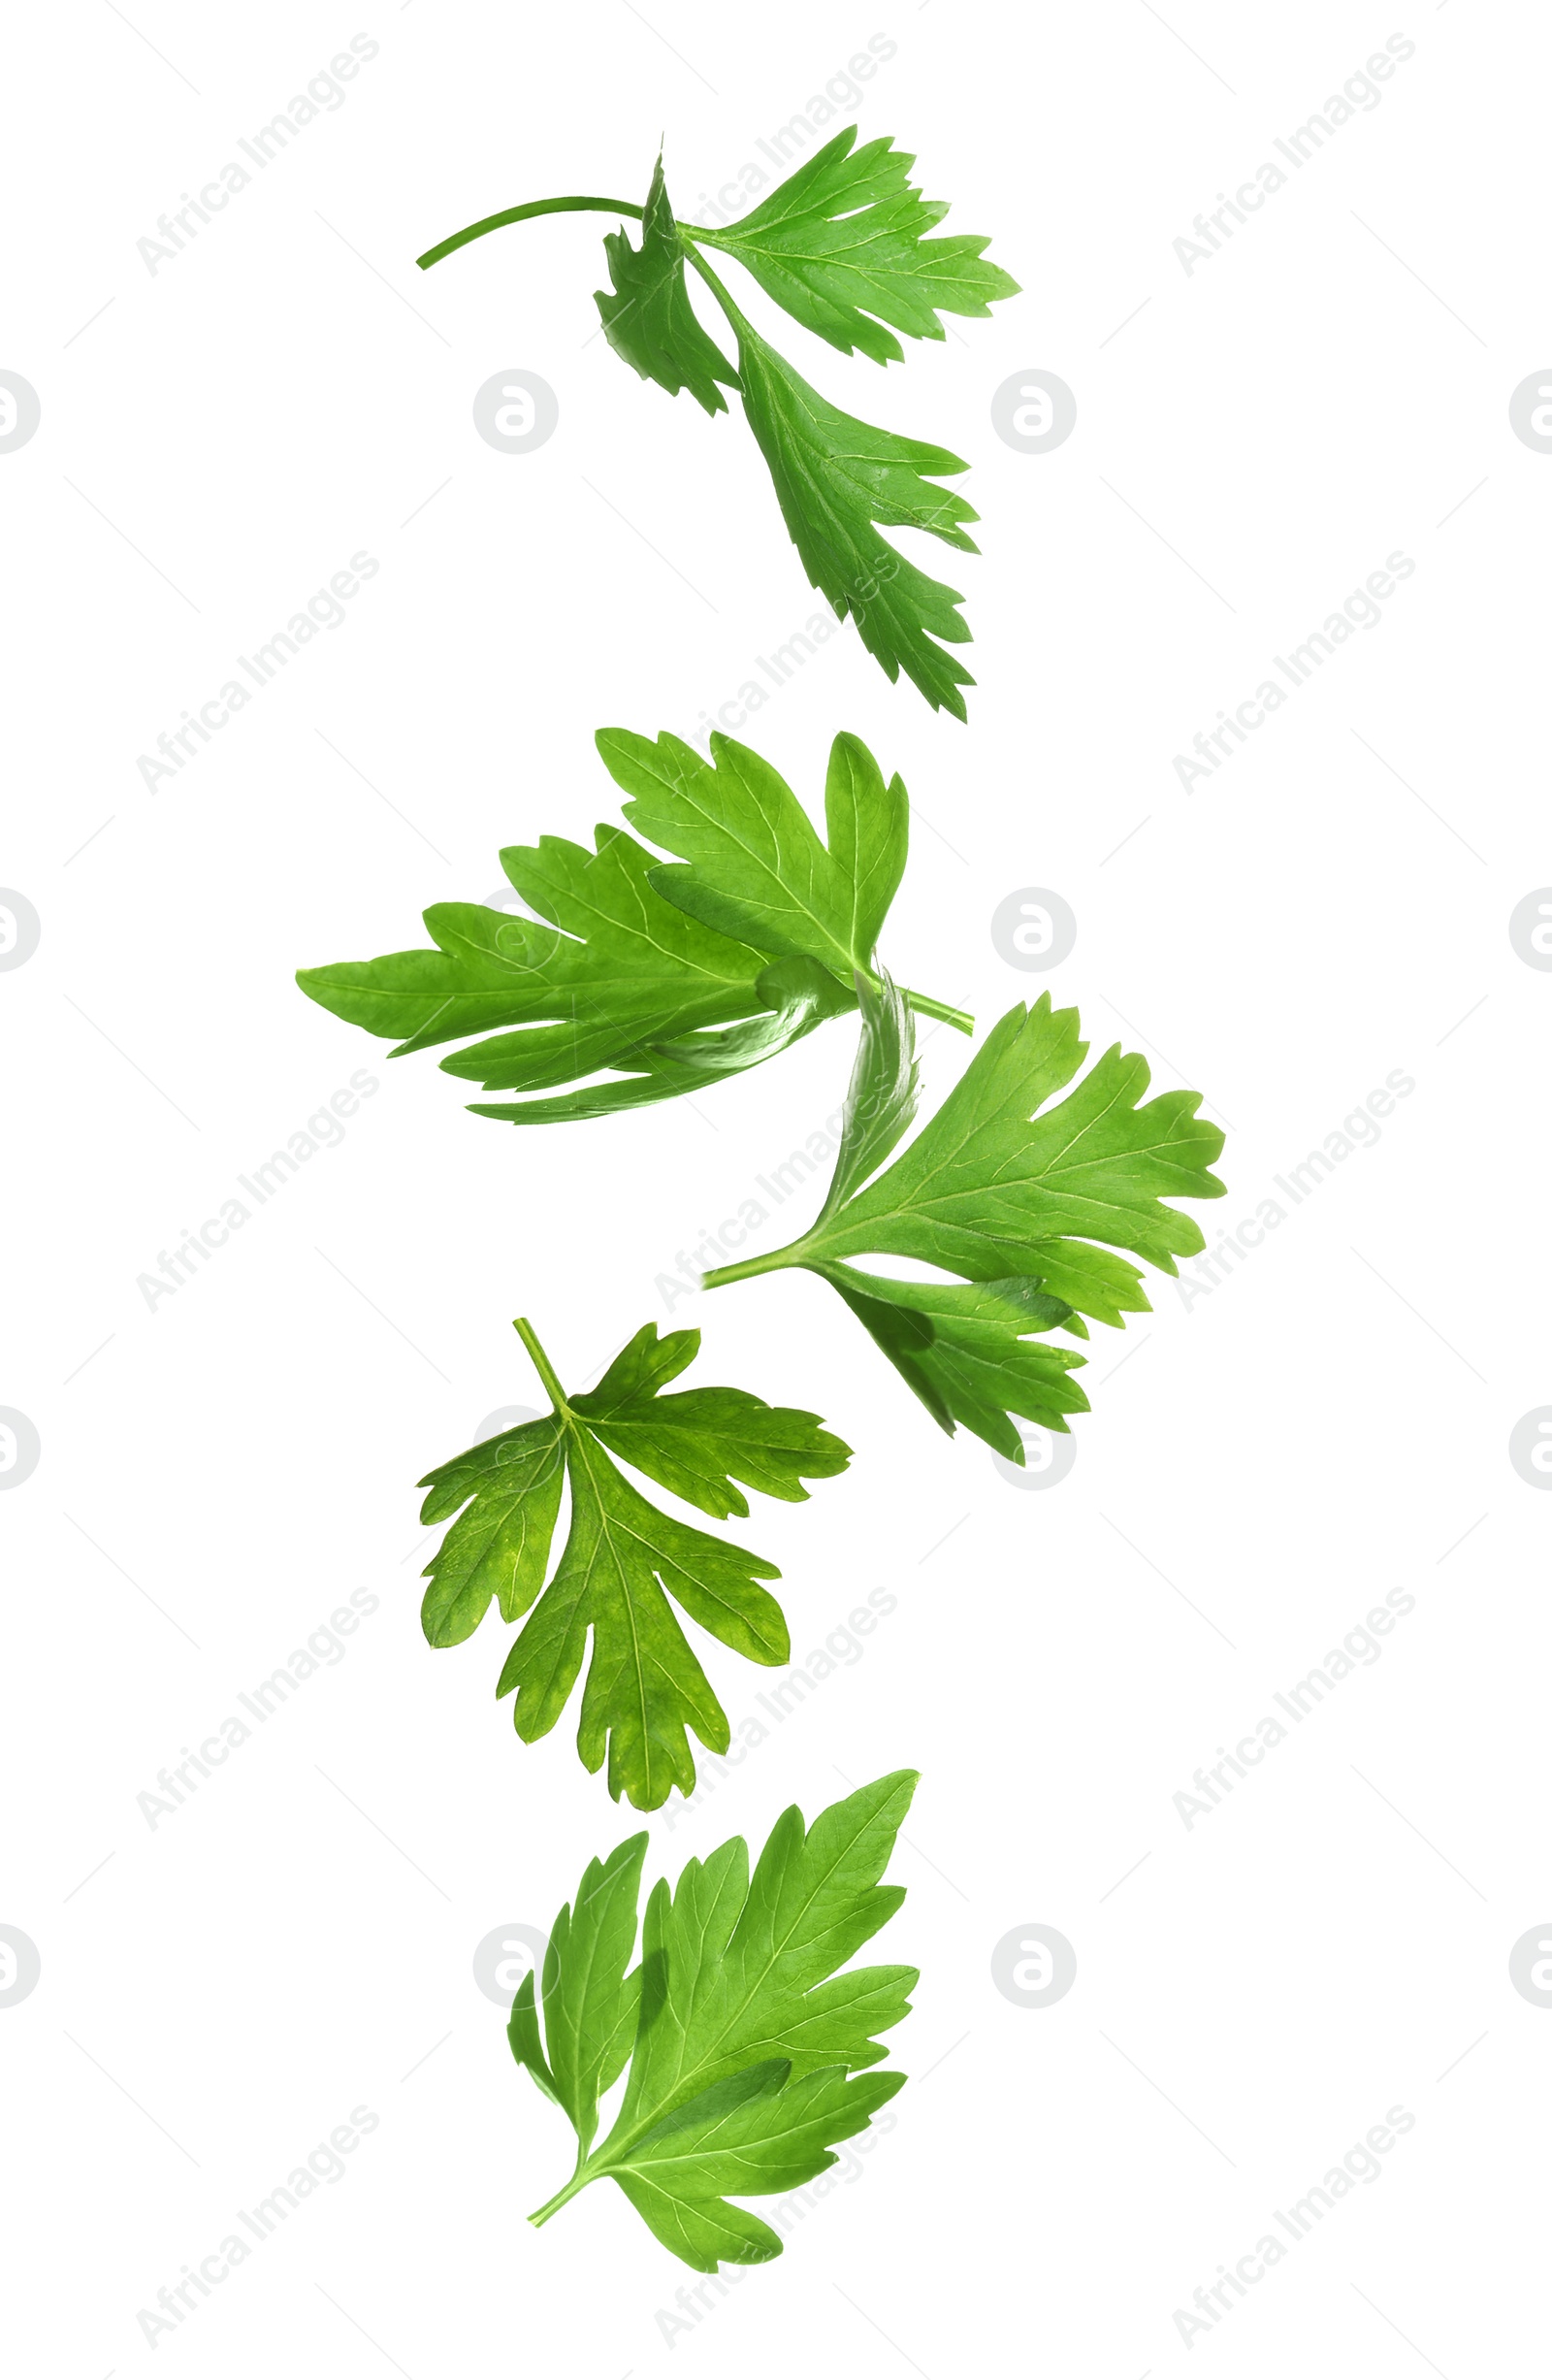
x=522 y=214
x=777 y=1262
x=540 y=1361
x=924 y=1007
x=718 y=291
x=552 y=2207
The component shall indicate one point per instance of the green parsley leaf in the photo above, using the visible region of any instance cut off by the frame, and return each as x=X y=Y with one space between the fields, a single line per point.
x=834 y=477
x=746 y=2043
x=663 y=977
x=798 y=993
x=622 y=1558
x=1026 y=1201
x=841 y=245
x=592 y=2004
x=842 y=241
x=649 y=319
x=756 y=870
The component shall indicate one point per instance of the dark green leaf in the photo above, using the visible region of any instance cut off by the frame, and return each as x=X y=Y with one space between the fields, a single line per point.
x=964 y=1350
x=649 y=319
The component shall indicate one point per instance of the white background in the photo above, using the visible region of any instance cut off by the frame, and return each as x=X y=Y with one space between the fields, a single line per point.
x=1329 y=1423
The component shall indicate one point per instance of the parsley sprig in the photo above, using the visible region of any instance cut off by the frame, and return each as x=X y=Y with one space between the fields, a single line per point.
x=747 y=2035
x=1026 y=1196
x=841 y=247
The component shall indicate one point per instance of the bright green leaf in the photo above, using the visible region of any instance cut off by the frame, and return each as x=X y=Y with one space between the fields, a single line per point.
x=841 y=244
x=842 y=241
x=591 y=2001
x=660 y=978
x=623 y=1558
x=751 y=2033
x=754 y=869
x=835 y=476
x=1025 y=1200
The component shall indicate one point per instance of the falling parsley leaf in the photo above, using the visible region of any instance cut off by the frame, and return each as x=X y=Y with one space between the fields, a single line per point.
x=746 y=2045
x=1025 y=1200
x=624 y=1558
x=649 y=319
x=834 y=477
x=755 y=866
x=842 y=241
x=841 y=247
x=664 y=977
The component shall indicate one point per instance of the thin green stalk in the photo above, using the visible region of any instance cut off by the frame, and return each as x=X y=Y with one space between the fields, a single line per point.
x=523 y=214
x=722 y=295
x=961 y=1022
x=540 y=1362
x=779 y=1260
x=552 y=2207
